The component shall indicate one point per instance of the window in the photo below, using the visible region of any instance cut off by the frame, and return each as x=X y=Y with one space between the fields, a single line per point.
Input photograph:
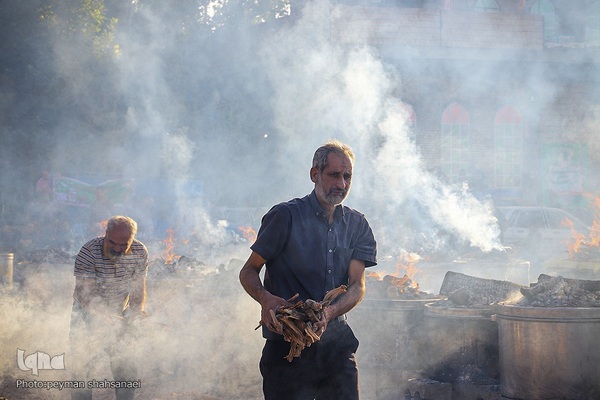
x=455 y=143
x=557 y=220
x=592 y=27
x=486 y=6
x=533 y=219
x=508 y=149
x=546 y=10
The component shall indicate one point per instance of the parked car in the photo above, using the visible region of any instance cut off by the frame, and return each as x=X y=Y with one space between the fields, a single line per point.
x=539 y=227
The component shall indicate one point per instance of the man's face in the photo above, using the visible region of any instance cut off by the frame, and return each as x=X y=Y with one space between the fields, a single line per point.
x=332 y=184
x=117 y=242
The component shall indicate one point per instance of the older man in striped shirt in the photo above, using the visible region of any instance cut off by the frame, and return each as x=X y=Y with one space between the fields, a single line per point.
x=110 y=293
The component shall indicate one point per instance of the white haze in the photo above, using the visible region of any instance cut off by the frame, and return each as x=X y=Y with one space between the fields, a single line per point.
x=323 y=91
x=203 y=335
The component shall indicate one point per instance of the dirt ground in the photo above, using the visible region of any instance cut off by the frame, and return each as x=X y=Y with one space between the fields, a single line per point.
x=199 y=342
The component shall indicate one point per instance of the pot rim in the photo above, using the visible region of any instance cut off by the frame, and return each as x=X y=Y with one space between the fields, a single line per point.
x=563 y=314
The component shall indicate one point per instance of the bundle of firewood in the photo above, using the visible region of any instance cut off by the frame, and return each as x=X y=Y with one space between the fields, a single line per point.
x=297 y=322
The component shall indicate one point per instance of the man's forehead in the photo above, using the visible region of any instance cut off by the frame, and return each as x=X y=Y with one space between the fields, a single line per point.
x=338 y=161
x=120 y=231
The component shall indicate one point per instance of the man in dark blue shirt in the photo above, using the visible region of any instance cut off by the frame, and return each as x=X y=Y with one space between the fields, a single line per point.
x=311 y=245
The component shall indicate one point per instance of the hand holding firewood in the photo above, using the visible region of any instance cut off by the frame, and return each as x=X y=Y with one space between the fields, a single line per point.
x=300 y=323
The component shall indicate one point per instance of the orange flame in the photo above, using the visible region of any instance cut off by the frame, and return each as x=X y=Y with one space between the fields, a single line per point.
x=595 y=228
x=408 y=268
x=404 y=276
x=579 y=239
x=99 y=228
x=168 y=255
x=248 y=233
x=373 y=275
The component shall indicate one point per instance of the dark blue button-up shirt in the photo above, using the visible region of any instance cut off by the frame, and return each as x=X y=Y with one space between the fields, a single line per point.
x=305 y=254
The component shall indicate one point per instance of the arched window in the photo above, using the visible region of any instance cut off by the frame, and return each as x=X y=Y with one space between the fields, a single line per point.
x=592 y=26
x=486 y=6
x=508 y=149
x=546 y=10
x=455 y=143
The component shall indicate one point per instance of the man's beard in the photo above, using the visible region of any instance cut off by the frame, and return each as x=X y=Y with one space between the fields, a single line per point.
x=333 y=197
x=114 y=256
x=109 y=253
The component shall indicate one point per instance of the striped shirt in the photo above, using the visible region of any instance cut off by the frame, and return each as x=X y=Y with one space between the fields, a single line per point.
x=114 y=278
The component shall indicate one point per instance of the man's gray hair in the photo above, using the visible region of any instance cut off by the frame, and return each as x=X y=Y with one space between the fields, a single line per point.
x=120 y=220
x=332 y=146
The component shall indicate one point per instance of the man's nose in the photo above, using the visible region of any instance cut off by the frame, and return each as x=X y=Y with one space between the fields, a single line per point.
x=342 y=182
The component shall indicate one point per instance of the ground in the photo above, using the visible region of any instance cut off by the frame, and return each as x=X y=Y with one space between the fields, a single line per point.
x=199 y=342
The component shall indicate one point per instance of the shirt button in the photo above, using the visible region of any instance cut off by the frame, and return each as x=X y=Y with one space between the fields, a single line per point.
x=330 y=250
x=329 y=271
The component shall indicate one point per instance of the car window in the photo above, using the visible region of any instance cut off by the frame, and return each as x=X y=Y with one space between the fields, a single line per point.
x=512 y=217
x=531 y=219
x=561 y=220
x=557 y=220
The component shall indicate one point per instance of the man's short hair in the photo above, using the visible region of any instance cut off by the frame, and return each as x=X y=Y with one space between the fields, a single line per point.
x=332 y=146
x=121 y=220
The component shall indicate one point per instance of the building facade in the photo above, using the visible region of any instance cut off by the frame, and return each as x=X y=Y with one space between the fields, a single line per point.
x=503 y=94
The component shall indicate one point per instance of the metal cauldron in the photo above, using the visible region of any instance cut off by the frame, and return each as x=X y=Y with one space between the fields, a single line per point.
x=391 y=342
x=549 y=353
x=389 y=331
x=462 y=344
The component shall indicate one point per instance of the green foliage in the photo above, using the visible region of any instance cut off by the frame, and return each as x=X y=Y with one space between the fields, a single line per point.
x=81 y=21
x=99 y=27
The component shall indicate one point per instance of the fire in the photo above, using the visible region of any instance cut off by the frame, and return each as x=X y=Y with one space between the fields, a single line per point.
x=373 y=275
x=248 y=233
x=580 y=240
x=404 y=276
x=168 y=255
x=399 y=285
x=99 y=228
x=409 y=266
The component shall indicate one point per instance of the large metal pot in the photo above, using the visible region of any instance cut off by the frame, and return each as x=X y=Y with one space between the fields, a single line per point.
x=549 y=353
x=389 y=331
x=391 y=341
x=462 y=343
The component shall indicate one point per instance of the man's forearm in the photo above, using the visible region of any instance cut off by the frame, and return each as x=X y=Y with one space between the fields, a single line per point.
x=250 y=280
x=347 y=301
x=84 y=292
x=137 y=298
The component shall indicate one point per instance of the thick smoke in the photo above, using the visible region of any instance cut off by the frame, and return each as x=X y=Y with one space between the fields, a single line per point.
x=262 y=102
x=332 y=91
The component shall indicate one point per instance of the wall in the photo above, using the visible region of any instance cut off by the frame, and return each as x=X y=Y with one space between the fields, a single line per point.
x=417 y=27
x=484 y=61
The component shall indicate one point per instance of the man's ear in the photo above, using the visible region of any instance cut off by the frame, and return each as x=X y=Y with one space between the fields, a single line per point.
x=314 y=171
